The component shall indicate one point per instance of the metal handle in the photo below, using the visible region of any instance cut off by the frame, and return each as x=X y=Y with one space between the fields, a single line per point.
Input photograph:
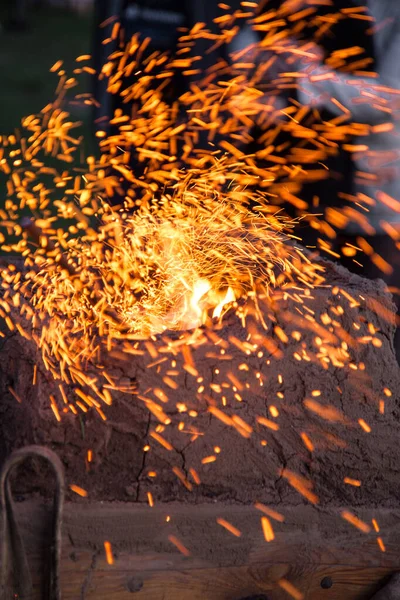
x=13 y=551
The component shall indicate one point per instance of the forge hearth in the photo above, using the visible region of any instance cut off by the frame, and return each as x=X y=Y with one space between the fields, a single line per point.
x=228 y=421
x=316 y=438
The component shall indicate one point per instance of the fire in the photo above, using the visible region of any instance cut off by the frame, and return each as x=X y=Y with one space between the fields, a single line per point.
x=227 y=299
x=200 y=301
x=195 y=311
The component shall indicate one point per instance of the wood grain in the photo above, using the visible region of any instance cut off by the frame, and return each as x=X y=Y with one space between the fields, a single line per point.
x=354 y=583
x=193 y=584
x=309 y=546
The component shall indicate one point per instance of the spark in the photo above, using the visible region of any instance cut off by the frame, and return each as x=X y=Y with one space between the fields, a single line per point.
x=109 y=553
x=290 y=589
x=14 y=394
x=178 y=544
x=268 y=532
x=78 y=490
x=270 y=512
x=364 y=425
x=376 y=526
x=350 y=481
x=353 y=520
x=229 y=527
x=381 y=545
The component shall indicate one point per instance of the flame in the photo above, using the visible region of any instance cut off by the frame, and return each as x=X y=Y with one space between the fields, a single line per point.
x=195 y=314
x=202 y=300
x=198 y=302
x=227 y=299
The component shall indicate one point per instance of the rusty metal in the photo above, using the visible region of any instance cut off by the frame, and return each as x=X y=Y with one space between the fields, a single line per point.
x=16 y=580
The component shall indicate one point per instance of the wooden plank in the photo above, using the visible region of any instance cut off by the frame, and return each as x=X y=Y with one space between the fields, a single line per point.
x=193 y=584
x=310 y=545
x=354 y=583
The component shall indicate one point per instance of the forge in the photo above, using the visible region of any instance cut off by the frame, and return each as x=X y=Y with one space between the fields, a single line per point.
x=222 y=401
x=241 y=409
x=263 y=425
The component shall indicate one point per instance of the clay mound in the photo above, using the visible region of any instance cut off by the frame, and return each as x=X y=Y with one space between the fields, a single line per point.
x=325 y=361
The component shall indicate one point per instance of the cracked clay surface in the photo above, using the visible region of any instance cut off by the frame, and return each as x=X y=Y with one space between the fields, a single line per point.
x=247 y=468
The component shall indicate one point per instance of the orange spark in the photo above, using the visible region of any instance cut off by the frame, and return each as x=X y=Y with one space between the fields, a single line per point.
x=109 y=554
x=291 y=589
x=355 y=482
x=178 y=544
x=267 y=529
x=78 y=490
x=270 y=512
x=355 y=521
x=229 y=527
x=381 y=544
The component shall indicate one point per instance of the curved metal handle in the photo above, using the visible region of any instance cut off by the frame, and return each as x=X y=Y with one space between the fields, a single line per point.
x=13 y=551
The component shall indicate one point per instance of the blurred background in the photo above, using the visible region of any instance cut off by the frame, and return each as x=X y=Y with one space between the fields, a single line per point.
x=33 y=35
